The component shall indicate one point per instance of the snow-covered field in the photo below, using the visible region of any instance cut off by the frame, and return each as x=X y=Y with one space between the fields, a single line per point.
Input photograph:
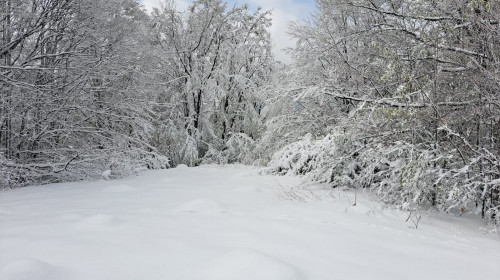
x=227 y=223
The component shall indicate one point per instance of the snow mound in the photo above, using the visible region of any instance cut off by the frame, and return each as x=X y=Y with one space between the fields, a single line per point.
x=182 y=166
x=97 y=221
x=249 y=264
x=31 y=269
x=119 y=189
x=201 y=205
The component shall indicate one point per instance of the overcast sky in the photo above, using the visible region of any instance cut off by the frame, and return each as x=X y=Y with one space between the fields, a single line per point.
x=283 y=12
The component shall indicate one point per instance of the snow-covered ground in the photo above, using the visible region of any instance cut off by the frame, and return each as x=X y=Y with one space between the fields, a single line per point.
x=219 y=223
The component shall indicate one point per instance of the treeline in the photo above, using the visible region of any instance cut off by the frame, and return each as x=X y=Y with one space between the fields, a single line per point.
x=399 y=96
x=88 y=86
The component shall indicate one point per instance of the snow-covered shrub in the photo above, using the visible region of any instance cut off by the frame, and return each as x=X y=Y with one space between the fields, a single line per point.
x=302 y=157
x=239 y=148
x=331 y=159
x=11 y=175
x=132 y=162
x=83 y=166
x=281 y=131
x=403 y=174
x=214 y=156
x=473 y=189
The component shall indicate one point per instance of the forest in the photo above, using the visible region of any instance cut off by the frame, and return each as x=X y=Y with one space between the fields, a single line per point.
x=399 y=98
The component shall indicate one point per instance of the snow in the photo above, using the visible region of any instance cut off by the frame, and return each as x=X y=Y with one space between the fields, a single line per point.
x=119 y=188
x=29 y=268
x=248 y=264
x=106 y=175
x=228 y=223
x=201 y=206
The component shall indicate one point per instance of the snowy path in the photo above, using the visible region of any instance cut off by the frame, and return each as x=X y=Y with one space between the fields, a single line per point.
x=224 y=223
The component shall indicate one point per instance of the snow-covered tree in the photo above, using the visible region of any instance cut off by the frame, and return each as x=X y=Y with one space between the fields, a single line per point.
x=71 y=104
x=213 y=60
x=412 y=86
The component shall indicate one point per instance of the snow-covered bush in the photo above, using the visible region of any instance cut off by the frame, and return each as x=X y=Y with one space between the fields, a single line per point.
x=84 y=166
x=407 y=176
x=11 y=174
x=403 y=174
x=239 y=148
x=214 y=156
x=331 y=159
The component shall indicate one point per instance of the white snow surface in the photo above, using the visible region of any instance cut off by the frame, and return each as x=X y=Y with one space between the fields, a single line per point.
x=228 y=223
